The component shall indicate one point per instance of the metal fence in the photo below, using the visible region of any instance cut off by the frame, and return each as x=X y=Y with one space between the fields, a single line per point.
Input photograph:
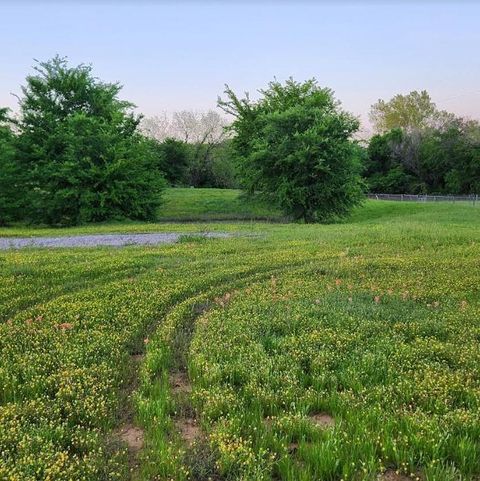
x=473 y=199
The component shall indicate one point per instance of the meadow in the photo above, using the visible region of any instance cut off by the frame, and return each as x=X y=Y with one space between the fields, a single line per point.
x=347 y=351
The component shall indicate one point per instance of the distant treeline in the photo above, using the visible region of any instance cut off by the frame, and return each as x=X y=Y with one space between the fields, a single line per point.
x=76 y=153
x=193 y=148
x=421 y=150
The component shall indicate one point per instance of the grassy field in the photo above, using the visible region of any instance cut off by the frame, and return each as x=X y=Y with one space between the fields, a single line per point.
x=196 y=209
x=341 y=352
x=213 y=204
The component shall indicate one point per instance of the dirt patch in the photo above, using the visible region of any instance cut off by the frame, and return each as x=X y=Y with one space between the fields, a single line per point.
x=188 y=429
x=179 y=383
x=223 y=300
x=268 y=422
x=292 y=448
x=392 y=475
x=322 y=420
x=65 y=326
x=137 y=358
x=133 y=437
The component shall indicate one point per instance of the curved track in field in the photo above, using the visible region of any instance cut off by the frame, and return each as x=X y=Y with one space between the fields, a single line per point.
x=168 y=388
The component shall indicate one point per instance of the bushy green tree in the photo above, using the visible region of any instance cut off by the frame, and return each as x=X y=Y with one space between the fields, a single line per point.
x=295 y=147
x=450 y=158
x=194 y=164
x=386 y=168
x=11 y=184
x=224 y=173
x=209 y=166
x=82 y=152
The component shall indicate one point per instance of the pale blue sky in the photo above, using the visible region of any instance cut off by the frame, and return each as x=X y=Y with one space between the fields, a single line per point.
x=178 y=55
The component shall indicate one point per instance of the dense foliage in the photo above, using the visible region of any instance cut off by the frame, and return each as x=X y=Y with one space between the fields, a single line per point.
x=443 y=160
x=79 y=150
x=172 y=157
x=419 y=149
x=193 y=148
x=212 y=166
x=294 y=146
x=10 y=173
x=195 y=164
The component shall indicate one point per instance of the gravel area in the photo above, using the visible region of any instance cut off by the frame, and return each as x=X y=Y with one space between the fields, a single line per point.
x=116 y=240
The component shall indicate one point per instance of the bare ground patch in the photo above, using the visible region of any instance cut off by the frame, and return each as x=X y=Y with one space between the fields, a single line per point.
x=137 y=358
x=392 y=475
x=185 y=423
x=188 y=429
x=179 y=383
x=133 y=437
x=292 y=448
x=127 y=434
x=322 y=420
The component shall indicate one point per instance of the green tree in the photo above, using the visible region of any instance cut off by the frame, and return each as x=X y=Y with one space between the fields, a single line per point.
x=388 y=164
x=11 y=184
x=81 y=149
x=440 y=160
x=295 y=147
x=173 y=158
x=408 y=112
x=223 y=166
x=449 y=158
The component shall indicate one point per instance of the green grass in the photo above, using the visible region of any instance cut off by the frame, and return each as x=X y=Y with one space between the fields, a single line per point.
x=198 y=210
x=212 y=205
x=374 y=322
x=195 y=208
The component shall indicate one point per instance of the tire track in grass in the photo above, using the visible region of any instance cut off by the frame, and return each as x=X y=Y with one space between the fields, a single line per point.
x=176 y=446
x=129 y=433
x=84 y=277
x=117 y=309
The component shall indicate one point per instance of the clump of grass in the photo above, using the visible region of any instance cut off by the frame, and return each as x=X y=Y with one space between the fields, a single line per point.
x=192 y=239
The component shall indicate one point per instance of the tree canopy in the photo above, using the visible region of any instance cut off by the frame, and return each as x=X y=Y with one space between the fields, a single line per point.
x=294 y=146
x=10 y=174
x=409 y=112
x=81 y=151
x=440 y=160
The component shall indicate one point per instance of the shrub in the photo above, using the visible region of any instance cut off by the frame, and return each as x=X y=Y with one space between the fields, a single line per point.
x=295 y=147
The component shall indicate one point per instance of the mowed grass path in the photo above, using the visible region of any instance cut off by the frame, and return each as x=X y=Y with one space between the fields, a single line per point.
x=345 y=351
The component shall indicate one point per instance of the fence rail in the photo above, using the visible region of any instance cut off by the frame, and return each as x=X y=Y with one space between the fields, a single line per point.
x=474 y=198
